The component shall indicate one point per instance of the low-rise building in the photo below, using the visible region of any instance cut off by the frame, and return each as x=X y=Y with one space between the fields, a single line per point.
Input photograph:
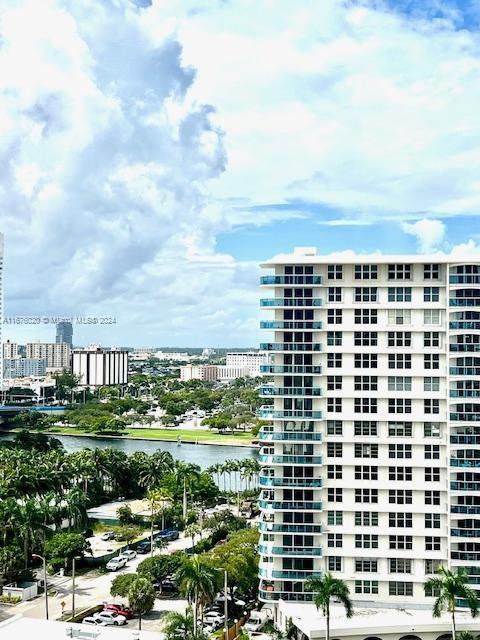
x=198 y=372
x=226 y=373
x=251 y=360
x=23 y=367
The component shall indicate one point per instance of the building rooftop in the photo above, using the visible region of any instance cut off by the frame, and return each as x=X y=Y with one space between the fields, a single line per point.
x=21 y=628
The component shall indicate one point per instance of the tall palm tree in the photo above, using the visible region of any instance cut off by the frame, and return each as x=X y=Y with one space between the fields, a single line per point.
x=178 y=625
x=326 y=588
x=198 y=583
x=451 y=586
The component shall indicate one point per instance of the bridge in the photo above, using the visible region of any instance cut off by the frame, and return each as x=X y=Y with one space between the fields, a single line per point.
x=10 y=409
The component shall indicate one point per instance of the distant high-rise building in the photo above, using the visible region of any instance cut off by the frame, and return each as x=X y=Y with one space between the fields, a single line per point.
x=249 y=360
x=97 y=367
x=65 y=333
x=23 y=367
x=57 y=356
x=10 y=350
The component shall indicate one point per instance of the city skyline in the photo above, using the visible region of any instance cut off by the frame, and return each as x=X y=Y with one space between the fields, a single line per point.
x=158 y=151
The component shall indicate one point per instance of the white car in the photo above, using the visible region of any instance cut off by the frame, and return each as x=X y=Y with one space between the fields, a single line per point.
x=92 y=620
x=116 y=563
x=213 y=618
x=129 y=554
x=108 y=535
x=110 y=617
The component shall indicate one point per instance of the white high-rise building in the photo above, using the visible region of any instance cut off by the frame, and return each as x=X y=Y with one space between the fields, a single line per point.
x=251 y=361
x=372 y=459
x=97 y=367
x=55 y=354
x=10 y=350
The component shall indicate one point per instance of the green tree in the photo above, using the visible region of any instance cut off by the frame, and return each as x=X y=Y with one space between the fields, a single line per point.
x=326 y=588
x=178 y=626
x=29 y=420
x=451 y=586
x=141 y=597
x=198 y=583
x=62 y=547
x=121 y=584
x=125 y=514
x=128 y=532
x=11 y=564
x=158 y=568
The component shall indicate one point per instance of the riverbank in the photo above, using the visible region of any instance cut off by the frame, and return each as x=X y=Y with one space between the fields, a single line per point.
x=163 y=435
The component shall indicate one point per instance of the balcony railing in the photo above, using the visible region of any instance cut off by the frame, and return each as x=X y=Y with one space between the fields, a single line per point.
x=291 y=346
x=461 y=462
x=287 y=436
x=268 y=391
x=465 y=439
x=291 y=596
x=464 y=324
x=290 y=302
x=291 y=325
x=465 y=533
x=288 y=505
x=463 y=555
x=289 y=459
x=465 y=371
x=288 y=280
x=464 y=278
x=265 y=481
x=463 y=416
x=283 y=527
x=270 y=414
x=465 y=302
x=291 y=574
x=288 y=368
x=468 y=509
x=465 y=393
x=289 y=551
x=463 y=348
x=465 y=486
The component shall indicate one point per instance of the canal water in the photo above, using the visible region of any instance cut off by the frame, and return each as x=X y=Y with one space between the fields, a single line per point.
x=204 y=455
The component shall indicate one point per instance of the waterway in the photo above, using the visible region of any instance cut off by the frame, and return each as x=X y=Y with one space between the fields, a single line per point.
x=204 y=455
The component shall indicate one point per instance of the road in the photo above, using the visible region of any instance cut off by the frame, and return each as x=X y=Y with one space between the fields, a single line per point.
x=93 y=588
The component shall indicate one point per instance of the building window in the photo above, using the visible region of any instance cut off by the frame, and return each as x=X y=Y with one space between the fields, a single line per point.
x=335 y=494
x=365 y=294
x=399 y=271
x=400 y=565
x=432 y=543
x=431 y=405
x=431 y=316
x=399 y=294
x=399 y=383
x=399 y=316
x=334 y=449
x=432 y=497
x=334 y=427
x=400 y=588
x=334 y=405
x=399 y=361
x=400 y=496
x=334 y=360
x=432 y=474
x=365 y=472
x=334 y=271
x=431 y=361
x=399 y=450
x=365 y=360
x=365 y=428
x=431 y=294
x=365 y=405
x=432 y=451
x=334 y=294
x=399 y=405
x=431 y=566
x=403 y=474
x=335 y=540
x=400 y=520
x=399 y=338
x=366 y=586
x=366 y=272
x=366 y=541
x=432 y=430
x=334 y=338
x=400 y=429
x=431 y=271
x=432 y=521
x=365 y=450
x=365 y=338
x=366 y=518
x=366 y=565
x=334 y=563
x=431 y=384
x=335 y=517
x=366 y=495
x=366 y=316
x=431 y=339
x=334 y=471
x=400 y=542
x=334 y=382
x=334 y=316
x=366 y=383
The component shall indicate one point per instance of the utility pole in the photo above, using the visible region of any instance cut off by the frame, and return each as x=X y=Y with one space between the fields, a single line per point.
x=45 y=586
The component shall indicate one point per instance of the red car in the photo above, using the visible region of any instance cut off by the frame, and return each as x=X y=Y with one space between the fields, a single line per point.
x=120 y=609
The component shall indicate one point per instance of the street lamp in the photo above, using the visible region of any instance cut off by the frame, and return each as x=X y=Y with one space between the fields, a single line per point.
x=73 y=586
x=42 y=558
x=225 y=602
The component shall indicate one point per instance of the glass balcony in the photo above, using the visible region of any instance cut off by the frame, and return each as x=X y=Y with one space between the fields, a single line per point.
x=465 y=371
x=464 y=324
x=465 y=439
x=289 y=551
x=463 y=348
x=265 y=481
x=291 y=280
x=270 y=414
x=288 y=505
x=465 y=533
x=291 y=596
x=463 y=555
x=287 y=436
x=295 y=575
x=288 y=368
x=465 y=302
x=291 y=325
x=289 y=459
x=465 y=417
x=291 y=346
x=291 y=302
x=467 y=509
x=465 y=279
x=269 y=391
x=460 y=462
x=465 y=486
x=283 y=527
x=464 y=393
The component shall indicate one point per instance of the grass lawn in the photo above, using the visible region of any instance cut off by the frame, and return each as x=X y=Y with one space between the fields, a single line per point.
x=185 y=435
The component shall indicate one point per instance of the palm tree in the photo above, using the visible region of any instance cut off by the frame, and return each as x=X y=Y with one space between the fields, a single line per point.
x=326 y=588
x=198 y=583
x=451 y=586
x=178 y=625
x=193 y=530
x=155 y=498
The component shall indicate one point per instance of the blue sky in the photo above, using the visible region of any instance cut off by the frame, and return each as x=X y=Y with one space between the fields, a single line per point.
x=153 y=152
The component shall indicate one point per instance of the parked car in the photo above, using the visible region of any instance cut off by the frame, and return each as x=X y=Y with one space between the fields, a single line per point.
x=87 y=533
x=129 y=554
x=108 y=535
x=214 y=618
x=144 y=547
x=93 y=620
x=116 y=563
x=123 y=610
x=110 y=618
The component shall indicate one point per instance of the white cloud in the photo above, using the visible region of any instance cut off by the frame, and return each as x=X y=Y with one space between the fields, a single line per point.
x=430 y=234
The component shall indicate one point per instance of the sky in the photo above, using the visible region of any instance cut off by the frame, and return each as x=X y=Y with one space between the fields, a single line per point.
x=153 y=152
